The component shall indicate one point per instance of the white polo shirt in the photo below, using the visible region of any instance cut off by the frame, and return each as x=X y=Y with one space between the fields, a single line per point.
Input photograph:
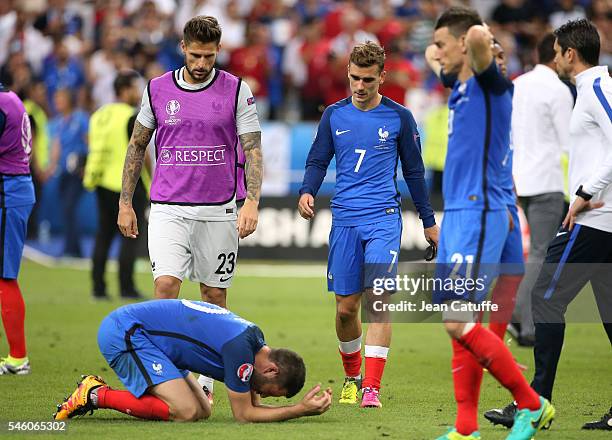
x=591 y=145
x=541 y=111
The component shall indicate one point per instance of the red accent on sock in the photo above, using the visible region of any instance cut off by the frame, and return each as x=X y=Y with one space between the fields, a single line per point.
x=146 y=407
x=374 y=368
x=504 y=295
x=467 y=377
x=13 y=317
x=352 y=363
x=491 y=353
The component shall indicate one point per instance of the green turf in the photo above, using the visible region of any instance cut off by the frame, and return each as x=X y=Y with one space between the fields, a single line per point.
x=417 y=396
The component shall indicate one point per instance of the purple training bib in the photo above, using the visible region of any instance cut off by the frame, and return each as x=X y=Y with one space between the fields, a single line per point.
x=16 y=140
x=196 y=141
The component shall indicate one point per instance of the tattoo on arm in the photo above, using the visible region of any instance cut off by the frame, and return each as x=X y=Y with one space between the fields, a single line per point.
x=251 y=144
x=133 y=161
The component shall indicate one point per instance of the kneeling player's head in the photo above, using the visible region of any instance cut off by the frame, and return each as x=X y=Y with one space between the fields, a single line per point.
x=576 y=41
x=200 y=45
x=366 y=71
x=449 y=37
x=283 y=376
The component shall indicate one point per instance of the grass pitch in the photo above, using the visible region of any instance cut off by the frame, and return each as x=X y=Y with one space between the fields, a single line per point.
x=297 y=313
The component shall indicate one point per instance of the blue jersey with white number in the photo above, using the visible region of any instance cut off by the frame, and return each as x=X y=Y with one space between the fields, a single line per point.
x=478 y=169
x=368 y=146
x=199 y=337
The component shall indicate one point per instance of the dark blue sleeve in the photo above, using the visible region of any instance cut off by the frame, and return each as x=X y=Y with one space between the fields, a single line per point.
x=319 y=157
x=239 y=358
x=448 y=80
x=2 y=122
x=409 y=146
x=492 y=79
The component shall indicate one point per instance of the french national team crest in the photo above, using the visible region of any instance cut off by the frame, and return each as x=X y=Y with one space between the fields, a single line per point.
x=382 y=134
x=244 y=372
x=158 y=368
x=173 y=107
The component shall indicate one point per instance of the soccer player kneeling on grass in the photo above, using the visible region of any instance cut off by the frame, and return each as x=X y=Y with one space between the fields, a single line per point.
x=153 y=346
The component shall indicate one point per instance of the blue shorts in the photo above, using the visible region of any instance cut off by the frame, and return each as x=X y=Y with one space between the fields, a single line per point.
x=470 y=248
x=13 y=229
x=138 y=363
x=360 y=254
x=512 y=260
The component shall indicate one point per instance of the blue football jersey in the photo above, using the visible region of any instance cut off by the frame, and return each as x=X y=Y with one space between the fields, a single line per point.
x=368 y=146
x=199 y=337
x=478 y=169
x=507 y=182
x=507 y=179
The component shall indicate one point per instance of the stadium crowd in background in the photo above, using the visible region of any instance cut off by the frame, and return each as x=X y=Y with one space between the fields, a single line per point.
x=63 y=59
x=291 y=53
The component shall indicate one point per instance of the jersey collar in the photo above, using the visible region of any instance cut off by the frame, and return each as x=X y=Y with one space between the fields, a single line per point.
x=592 y=72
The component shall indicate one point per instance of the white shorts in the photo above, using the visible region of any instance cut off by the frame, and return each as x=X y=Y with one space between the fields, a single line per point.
x=203 y=251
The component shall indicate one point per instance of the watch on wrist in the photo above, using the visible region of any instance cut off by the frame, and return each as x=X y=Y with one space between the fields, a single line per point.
x=581 y=193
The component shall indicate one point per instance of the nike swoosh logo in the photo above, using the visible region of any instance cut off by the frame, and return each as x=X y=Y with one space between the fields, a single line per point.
x=536 y=423
x=223 y=280
x=338 y=132
x=561 y=233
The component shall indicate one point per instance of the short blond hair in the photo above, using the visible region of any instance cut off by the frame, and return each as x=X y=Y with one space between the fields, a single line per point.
x=368 y=54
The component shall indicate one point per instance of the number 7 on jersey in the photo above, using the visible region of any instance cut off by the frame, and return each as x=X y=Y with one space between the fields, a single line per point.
x=361 y=154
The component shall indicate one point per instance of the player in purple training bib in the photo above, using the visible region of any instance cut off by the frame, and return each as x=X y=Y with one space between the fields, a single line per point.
x=16 y=202
x=208 y=151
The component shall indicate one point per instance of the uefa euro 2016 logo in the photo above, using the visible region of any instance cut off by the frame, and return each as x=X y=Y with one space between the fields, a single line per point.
x=173 y=107
x=244 y=372
x=165 y=156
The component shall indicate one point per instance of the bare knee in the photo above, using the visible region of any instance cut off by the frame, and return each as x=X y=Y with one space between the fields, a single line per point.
x=214 y=295
x=376 y=310
x=187 y=414
x=347 y=311
x=454 y=329
x=167 y=287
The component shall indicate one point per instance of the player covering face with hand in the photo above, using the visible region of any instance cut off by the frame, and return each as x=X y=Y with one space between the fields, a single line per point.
x=153 y=346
